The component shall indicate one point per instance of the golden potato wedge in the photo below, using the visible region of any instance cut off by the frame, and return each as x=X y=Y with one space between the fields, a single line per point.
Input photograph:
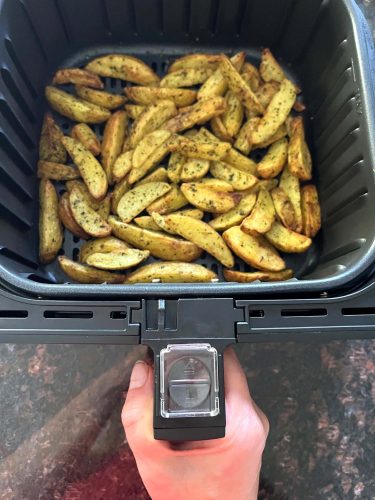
x=311 y=215
x=175 y=166
x=122 y=166
x=74 y=108
x=139 y=198
x=233 y=115
x=77 y=76
x=135 y=110
x=86 y=217
x=290 y=184
x=108 y=244
x=170 y=202
x=159 y=244
x=105 y=207
x=86 y=274
x=286 y=240
x=279 y=134
x=150 y=152
x=216 y=184
x=171 y=272
x=152 y=222
x=123 y=67
x=194 y=169
x=240 y=162
x=113 y=140
x=198 y=113
x=262 y=184
x=158 y=175
x=299 y=157
x=270 y=69
x=235 y=216
x=218 y=128
x=149 y=95
x=215 y=202
x=118 y=192
x=262 y=216
x=244 y=139
x=67 y=219
x=193 y=148
x=237 y=178
x=199 y=233
x=57 y=171
x=94 y=204
x=276 y=113
x=274 y=160
x=84 y=134
x=186 y=77
x=251 y=76
x=195 y=61
x=89 y=167
x=50 y=145
x=238 y=277
x=255 y=251
x=50 y=230
x=152 y=119
x=284 y=208
x=147 y=222
x=100 y=97
x=119 y=260
x=266 y=92
x=147 y=146
x=191 y=212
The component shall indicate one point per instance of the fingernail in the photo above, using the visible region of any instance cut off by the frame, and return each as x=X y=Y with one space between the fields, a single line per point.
x=139 y=375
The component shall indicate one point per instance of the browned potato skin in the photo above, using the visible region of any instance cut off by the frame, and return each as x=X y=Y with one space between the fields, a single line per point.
x=299 y=157
x=286 y=240
x=100 y=98
x=290 y=184
x=86 y=274
x=113 y=140
x=123 y=67
x=50 y=230
x=284 y=209
x=77 y=76
x=149 y=95
x=50 y=146
x=171 y=272
x=311 y=214
x=261 y=218
x=57 y=171
x=66 y=217
x=83 y=133
x=274 y=160
x=239 y=277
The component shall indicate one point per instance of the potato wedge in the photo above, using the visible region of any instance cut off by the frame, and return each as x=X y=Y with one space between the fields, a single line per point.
x=284 y=208
x=86 y=217
x=50 y=145
x=237 y=178
x=139 y=198
x=240 y=162
x=117 y=261
x=274 y=161
x=57 y=171
x=134 y=110
x=50 y=230
x=113 y=140
x=194 y=169
x=216 y=184
x=262 y=217
x=86 y=274
x=171 y=272
x=198 y=113
x=147 y=221
x=186 y=77
x=270 y=69
x=67 y=219
x=175 y=165
x=262 y=184
x=149 y=95
x=105 y=207
x=77 y=76
x=238 y=277
x=89 y=167
x=84 y=134
x=276 y=113
x=251 y=75
x=266 y=92
x=147 y=146
x=197 y=149
x=170 y=202
x=150 y=152
x=122 y=166
x=299 y=157
x=123 y=67
x=286 y=240
x=101 y=245
x=74 y=108
x=235 y=216
x=159 y=244
x=81 y=186
x=218 y=128
x=118 y=192
x=195 y=61
x=233 y=115
x=311 y=215
x=215 y=202
x=279 y=134
x=158 y=175
x=255 y=251
x=244 y=139
x=199 y=233
x=100 y=97
x=290 y=184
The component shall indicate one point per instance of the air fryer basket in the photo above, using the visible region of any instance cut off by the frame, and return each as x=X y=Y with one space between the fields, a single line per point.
x=324 y=45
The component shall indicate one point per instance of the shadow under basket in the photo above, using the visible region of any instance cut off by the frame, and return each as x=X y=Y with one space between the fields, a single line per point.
x=325 y=46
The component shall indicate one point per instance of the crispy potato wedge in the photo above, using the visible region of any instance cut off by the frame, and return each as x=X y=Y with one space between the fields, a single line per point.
x=113 y=140
x=194 y=169
x=74 y=108
x=84 y=134
x=147 y=222
x=199 y=233
x=67 y=219
x=186 y=77
x=251 y=76
x=276 y=113
x=215 y=202
x=195 y=61
x=117 y=261
x=86 y=274
x=191 y=212
x=123 y=67
x=289 y=183
x=266 y=92
x=235 y=216
x=218 y=128
x=50 y=145
x=134 y=110
x=139 y=198
x=171 y=272
x=94 y=204
x=240 y=162
x=270 y=69
x=118 y=192
x=57 y=171
x=105 y=207
x=299 y=157
x=175 y=165
x=273 y=162
x=77 y=76
x=100 y=97
x=86 y=217
x=216 y=184
x=286 y=240
x=238 y=277
x=150 y=152
x=109 y=244
x=147 y=146
x=122 y=166
x=255 y=251
x=159 y=244
x=193 y=148
x=244 y=139
x=311 y=215
x=262 y=184
x=50 y=230
x=262 y=216
x=284 y=208
x=158 y=175
x=149 y=95
x=233 y=115
x=170 y=202
x=89 y=167
x=237 y=178
x=279 y=134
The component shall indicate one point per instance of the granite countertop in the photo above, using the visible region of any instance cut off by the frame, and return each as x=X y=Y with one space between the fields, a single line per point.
x=61 y=435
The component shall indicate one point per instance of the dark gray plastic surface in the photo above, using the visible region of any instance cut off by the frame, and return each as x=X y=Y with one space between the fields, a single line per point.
x=325 y=46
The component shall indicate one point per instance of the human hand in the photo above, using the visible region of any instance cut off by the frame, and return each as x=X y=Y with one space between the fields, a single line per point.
x=220 y=468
